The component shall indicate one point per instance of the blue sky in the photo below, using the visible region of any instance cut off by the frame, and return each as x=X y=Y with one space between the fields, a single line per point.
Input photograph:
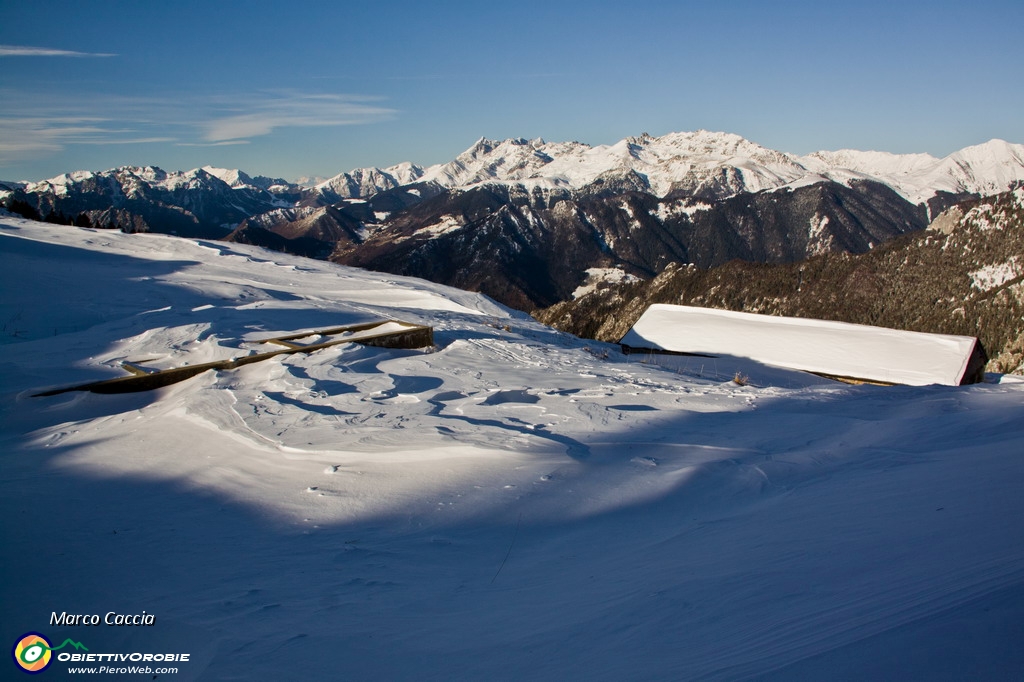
x=316 y=88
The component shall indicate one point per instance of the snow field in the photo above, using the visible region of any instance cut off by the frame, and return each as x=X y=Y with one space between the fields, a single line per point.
x=511 y=504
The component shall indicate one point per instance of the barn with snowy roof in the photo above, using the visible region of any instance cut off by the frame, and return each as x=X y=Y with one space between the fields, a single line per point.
x=838 y=350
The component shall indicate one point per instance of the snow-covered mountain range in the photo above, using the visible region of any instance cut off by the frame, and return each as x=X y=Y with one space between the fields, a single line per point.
x=200 y=202
x=700 y=163
x=525 y=220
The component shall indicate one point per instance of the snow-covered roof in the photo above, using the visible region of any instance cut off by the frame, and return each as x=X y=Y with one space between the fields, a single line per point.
x=824 y=347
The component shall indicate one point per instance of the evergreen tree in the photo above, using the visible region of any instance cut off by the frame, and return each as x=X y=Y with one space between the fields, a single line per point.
x=57 y=218
x=24 y=209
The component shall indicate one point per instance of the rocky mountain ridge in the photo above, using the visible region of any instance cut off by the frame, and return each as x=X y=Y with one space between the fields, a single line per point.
x=195 y=203
x=963 y=275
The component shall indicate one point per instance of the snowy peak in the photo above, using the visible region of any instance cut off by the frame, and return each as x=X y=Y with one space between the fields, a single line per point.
x=509 y=160
x=985 y=168
x=364 y=182
x=134 y=180
x=868 y=162
x=236 y=179
x=692 y=160
x=704 y=144
x=982 y=169
x=233 y=177
x=140 y=179
x=202 y=202
x=243 y=182
x=131 y=180
x=697 y=162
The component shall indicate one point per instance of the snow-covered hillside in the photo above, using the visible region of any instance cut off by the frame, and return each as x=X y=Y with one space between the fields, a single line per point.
x=513 y=503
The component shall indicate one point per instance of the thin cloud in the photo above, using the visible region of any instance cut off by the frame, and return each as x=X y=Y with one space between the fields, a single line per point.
x=295 y=110
x=24 y=138
x=453 y=76
x=463 y=77
x=45 y=124
x=136 y=140
x=226 y=143
x=26 y=51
